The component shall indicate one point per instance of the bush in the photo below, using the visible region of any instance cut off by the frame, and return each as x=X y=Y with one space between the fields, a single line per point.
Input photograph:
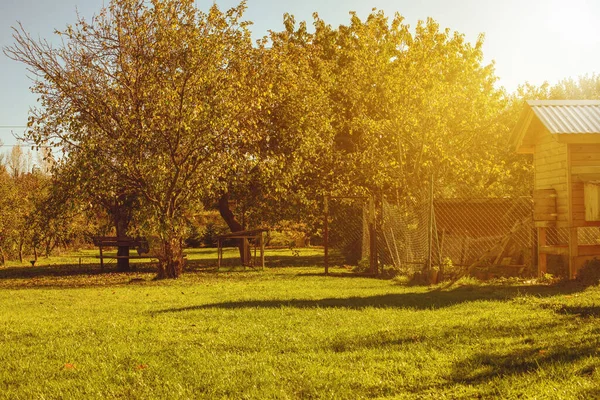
x=589 y=274
x=194 y=238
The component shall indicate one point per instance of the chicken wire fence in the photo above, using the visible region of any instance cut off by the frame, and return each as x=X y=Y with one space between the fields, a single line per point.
x=492 y=232
x=448 y=234
x=559 y=237
x=347 y=238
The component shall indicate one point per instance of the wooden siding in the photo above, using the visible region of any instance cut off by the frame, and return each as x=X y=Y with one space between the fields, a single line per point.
x=582 y=157
x=550 y=163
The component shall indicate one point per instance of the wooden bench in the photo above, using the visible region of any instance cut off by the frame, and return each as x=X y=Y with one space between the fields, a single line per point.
x=138 y=243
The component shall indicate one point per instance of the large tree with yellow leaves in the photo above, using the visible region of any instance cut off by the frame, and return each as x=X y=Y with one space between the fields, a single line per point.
x=153 y=98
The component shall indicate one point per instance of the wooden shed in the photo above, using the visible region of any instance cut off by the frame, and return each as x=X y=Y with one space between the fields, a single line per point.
x=564 y=138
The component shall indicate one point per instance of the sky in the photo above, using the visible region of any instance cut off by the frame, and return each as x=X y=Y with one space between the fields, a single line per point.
x=528 y=40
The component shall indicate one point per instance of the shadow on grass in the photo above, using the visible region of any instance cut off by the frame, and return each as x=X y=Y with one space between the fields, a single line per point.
x=420 y=301
x=52 y=271
x=593 y=393
x=276 y=261
x=208 y=259
x=66 y=270
x=580 y=311
x=76 y=270
x=485 y=366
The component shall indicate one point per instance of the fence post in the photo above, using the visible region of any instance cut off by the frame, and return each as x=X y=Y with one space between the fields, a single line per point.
x=326 y=233
x=430 y=228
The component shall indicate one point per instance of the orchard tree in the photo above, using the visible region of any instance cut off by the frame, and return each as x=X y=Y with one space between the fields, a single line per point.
x=372 y=107
x=6 y=210
x=76 y=186
x=402 y=105
x=156 y=95
x=290 y=163
x=586 y=87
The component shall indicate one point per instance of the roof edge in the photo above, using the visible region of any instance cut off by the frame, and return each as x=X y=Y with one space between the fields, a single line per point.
x=534 y=103
x=519 y=131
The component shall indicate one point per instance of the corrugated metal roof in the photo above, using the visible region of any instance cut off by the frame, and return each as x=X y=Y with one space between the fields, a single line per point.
x=568 y=116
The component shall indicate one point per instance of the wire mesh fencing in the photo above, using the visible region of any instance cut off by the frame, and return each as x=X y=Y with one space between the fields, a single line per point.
x=493 y=232
x=402 y=235
x=560 y=236
x=449 y=235
x=348 y=236
x=557 y=264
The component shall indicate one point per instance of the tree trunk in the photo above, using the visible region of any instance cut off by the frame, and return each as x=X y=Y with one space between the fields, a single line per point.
x=21 y=250
x=2 y=256
x=121 y=222
x=170 y=263
x=48 y=247
x=234 y=226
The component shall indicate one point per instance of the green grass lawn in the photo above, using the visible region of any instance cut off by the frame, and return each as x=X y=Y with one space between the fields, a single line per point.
x=291 y=333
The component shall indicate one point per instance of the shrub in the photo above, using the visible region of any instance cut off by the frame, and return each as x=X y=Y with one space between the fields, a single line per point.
x=589 y=274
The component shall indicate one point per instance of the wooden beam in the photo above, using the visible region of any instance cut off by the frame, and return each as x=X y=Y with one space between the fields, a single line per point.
x=526 y=150
x=562 y=224
x=545 y=224
x=585 y=170
x=573 y=239
x=542 y=258
x=569 y=187
x=588 y=224
x=554 y=250
x=579 y=138
x=262 y=251
x=547 y=204
x=589 y=250
x=586 y=177
x=545 y=217
x=573 y=252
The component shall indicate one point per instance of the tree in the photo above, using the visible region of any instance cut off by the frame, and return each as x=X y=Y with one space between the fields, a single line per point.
x=287 y=167
x=6 y=210
x=18 y=162
x=405 y=105
x=371 y=108
x=586 y=87
x=156 y=95
x=76 y=185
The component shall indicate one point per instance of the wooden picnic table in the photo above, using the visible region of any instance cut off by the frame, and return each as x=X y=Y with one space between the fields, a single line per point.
x=256 y=236
x=139 y=243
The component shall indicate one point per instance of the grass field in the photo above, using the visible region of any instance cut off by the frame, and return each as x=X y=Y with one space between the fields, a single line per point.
x=291 y=333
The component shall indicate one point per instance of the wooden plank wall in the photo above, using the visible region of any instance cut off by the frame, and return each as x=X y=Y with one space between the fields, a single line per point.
x=582 y=155
x=550 y=165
